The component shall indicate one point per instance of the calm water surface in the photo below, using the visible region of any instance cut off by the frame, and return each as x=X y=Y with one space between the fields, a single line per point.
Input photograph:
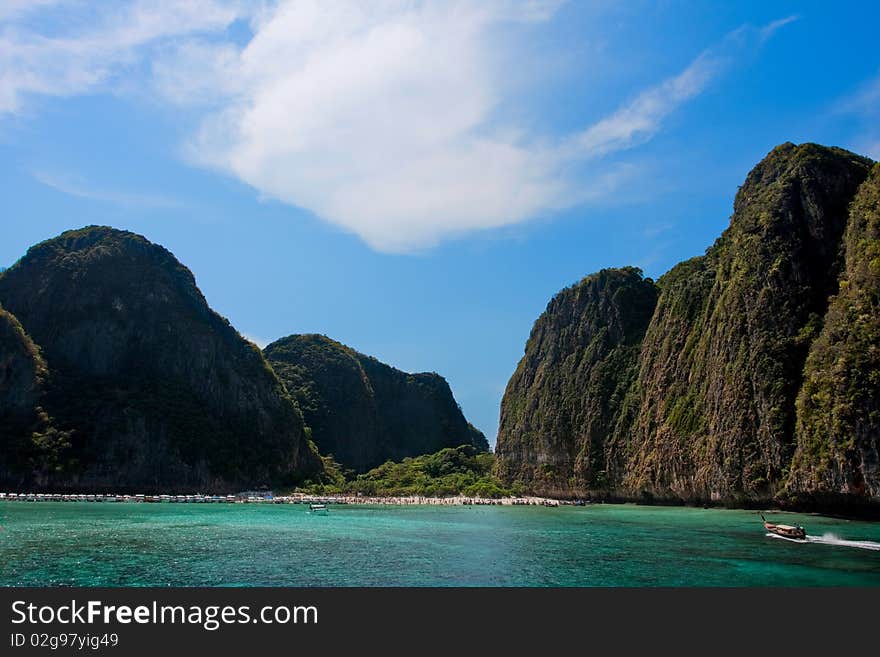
x=91 y=544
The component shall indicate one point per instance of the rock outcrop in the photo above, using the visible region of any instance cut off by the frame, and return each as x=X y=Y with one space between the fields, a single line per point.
x=153 y=389
x=838 y=409
x=711 y=413
x=29 y=443
x=364 y=412
x=567 y=397
x=22 y=374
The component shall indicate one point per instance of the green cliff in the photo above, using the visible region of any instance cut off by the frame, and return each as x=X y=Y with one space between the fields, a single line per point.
x=22 y=374
x=716 y=416
x=838 y=409
x=30 y=446
x=710 y=413
x=152 y=388
x=364 y=412
x=567 y=394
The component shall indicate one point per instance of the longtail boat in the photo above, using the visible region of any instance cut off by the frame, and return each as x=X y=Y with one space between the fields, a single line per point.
x=786 y=531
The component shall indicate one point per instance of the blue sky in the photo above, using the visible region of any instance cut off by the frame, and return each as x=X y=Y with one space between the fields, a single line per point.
x=414 y=179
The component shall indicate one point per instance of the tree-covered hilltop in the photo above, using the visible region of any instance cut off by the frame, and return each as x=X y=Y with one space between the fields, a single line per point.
x=364 y=412
x=699 y=403
x=149 y=387
x=452 y=471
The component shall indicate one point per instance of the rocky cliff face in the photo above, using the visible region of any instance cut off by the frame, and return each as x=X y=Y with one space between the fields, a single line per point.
x=29 y=444
x=838 y=409
x=566 y=398
x=716 y=415
x=22 y=371
x=154 y=389
x=711 y=411
x=364 y=412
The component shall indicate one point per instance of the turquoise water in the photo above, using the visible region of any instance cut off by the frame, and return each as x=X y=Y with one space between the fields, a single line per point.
x=88 y=544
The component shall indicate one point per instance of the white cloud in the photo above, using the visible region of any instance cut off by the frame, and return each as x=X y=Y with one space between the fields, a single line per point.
x=638 y=121
x=381 y=118
x=12 y=8
x=641 y=119
x=17 y=8
x=381 y=121
x=32 y=63
x=376 y=117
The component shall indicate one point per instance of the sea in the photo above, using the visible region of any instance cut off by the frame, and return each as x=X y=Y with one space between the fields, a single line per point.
x=622 y=545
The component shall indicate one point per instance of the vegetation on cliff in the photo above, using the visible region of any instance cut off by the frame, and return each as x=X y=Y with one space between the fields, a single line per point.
x=364 y=412
x=568 y=392
x=22 y=373
x=29 y=443
x=723 y=357
x=152 y=388
x=838 y=423
x=462 y=470
x=747 y=374
x=710 y=414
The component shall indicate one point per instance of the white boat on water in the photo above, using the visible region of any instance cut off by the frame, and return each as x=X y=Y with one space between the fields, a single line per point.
x=318 y=508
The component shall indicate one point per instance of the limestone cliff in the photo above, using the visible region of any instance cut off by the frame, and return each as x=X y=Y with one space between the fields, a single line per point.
x=723 y=357
x=155 y=390
x=710 y=413
x=838 y=422
x=364 y=412
x=567 y=395
x=30 y=446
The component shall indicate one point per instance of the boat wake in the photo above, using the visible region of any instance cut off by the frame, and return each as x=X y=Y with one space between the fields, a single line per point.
x=831 y=539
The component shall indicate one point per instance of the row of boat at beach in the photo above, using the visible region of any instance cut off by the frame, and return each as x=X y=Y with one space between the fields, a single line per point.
x=268 y=498
x=155 y=499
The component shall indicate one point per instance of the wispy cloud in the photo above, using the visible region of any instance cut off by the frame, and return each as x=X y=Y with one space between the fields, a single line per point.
x=380 y=118
x=17 y=8
x=864 y=106
x=655 y=230
x=74 y=186
x=117 y=35
x=639 y=120
x=770 y=29
x=864 y=101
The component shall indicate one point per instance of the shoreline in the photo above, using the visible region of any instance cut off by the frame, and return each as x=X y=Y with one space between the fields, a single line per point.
x=812 y=507
x=295 y=498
